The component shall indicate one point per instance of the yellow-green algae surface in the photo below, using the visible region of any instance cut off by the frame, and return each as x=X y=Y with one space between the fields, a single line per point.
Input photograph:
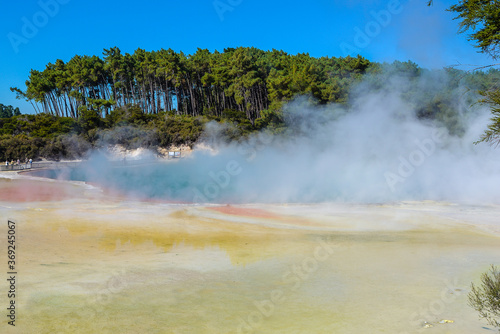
x=94 y=263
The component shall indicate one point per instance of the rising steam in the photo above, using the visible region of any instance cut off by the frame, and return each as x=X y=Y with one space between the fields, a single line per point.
x=374 y=151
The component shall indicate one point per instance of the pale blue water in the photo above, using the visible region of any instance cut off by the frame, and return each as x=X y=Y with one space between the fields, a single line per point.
x=178 y=181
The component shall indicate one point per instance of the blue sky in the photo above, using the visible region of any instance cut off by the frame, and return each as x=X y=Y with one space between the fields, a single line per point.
x=33 y=33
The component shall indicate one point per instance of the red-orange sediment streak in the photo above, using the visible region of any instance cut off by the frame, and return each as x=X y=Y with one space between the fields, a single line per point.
x=249 y=212
x=29 y=191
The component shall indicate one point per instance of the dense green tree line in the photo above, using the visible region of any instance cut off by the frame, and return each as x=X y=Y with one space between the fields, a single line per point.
x=54 y=135
x=244 y=79
x=8 y=111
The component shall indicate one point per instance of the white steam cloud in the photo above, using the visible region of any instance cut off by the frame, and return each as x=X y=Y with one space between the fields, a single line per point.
x=374 y=151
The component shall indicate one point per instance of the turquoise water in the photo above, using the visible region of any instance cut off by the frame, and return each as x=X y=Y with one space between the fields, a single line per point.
x=165 y=181
x=140 y=181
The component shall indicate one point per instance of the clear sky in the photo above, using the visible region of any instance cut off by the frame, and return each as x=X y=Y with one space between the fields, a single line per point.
x=33 y=33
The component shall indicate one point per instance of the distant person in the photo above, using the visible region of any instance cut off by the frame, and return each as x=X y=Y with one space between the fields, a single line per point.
x=30 y=162
x=18 y=162
x=6 y=162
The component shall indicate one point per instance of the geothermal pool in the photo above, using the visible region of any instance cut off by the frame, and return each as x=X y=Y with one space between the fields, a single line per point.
x=90 y=261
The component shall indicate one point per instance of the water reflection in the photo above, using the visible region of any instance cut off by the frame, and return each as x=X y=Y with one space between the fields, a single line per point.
x=243 y=243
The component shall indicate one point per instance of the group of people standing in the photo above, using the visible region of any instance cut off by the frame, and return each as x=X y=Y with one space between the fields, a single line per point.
x=28 y=163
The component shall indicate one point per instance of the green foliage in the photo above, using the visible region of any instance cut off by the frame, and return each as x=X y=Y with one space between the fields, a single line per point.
x=89 y=119
x=485 y=298
x=271 y=120
x=240 y=122
x=65 y=146
x=23 y=147
x=482 y=18
x=128 y=136
x=41 y=125
x=20 y=147
x=129 y=114
x=8 y=111
x=325 y=79
x=492 y=134
x=177 y=130
x=163 y=98
x=245 y=79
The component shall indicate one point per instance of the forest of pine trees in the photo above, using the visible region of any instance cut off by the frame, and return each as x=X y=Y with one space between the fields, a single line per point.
x=244 y=79
x=163 y=98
